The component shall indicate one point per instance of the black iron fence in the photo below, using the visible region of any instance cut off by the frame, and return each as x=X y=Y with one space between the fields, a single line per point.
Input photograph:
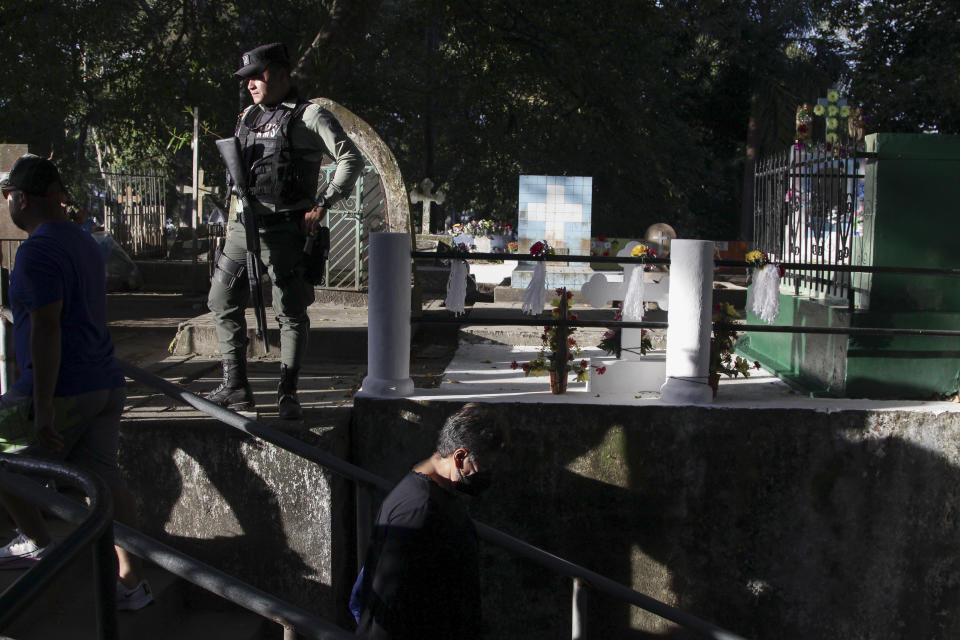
x=808 y=209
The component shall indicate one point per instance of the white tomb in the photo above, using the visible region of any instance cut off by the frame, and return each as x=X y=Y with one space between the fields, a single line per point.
x=631 y=373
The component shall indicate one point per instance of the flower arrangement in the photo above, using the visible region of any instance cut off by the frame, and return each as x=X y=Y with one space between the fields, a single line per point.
x=483 y=227
x=836 y=112
x=552 y=352
x=757 y=259
x=722 y=359
x=540 y=247
x=612 y=342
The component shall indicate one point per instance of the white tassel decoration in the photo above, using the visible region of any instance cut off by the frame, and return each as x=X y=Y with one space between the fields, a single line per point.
x=457 y=287
x=763 y=296
x=536 y=294
x=633 y=300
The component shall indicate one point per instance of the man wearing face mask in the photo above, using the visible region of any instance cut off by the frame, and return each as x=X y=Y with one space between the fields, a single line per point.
x=421 y=577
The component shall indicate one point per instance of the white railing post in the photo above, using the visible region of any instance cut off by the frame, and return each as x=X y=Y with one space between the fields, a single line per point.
x=688 y=333
x=578 y=617
x=388 y=317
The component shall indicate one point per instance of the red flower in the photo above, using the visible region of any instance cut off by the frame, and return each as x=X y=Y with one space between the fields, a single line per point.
x=606 y=253
x=546 y=328
x=526 y=367
x=781 y=270
x=651 y=253
x=570 y=316
x=756 y=364
x=601 y=370
x=583 y=363
x=558 y=291
x=537 y=248
x=569 y=295
x=717 y=307
x=571 y=341
x=514 y=365
x=602 y=238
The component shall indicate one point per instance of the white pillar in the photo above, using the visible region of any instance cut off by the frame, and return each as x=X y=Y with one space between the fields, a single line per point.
x=388 y=317
x=690 y=317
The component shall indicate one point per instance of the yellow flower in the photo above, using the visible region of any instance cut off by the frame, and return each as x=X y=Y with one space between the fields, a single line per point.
x=638 y=251
x=833 y=95
x=831 y=124
x=818 y=110
x=753 y=256
x=845 y=111
x=832 y=137
x=832 y=110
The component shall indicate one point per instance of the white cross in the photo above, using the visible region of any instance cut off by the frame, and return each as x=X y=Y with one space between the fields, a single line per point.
x=425 y=195
x=598 y=291
x=555 y=212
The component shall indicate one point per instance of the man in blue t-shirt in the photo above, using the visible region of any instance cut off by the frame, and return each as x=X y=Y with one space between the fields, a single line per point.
x=67 y=403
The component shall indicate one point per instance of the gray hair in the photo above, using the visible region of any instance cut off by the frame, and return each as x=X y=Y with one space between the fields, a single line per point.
x=475 y=428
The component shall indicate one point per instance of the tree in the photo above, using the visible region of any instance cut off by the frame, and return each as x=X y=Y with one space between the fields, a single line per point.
x=904 y=60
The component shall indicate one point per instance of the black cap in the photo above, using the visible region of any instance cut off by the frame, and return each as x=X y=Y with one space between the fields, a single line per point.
x=32 y=174
x=256 y=60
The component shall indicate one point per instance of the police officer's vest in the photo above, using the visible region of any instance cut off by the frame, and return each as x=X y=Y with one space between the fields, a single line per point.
x=273 y=170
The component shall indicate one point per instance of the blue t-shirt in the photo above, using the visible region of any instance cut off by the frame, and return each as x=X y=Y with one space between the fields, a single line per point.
x=60 y=261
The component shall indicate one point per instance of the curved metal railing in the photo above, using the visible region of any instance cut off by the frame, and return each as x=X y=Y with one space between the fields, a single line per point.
x=94 y=526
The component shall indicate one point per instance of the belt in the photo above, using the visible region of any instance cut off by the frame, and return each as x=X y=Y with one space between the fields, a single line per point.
x=273 y=219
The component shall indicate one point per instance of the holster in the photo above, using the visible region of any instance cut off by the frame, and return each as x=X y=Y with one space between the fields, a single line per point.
x=227 y=271
x=315 y=259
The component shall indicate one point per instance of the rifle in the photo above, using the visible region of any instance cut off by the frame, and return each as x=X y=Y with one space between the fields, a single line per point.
x=229 y=149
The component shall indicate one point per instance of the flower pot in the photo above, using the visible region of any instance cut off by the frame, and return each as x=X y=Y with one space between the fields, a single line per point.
x=482 y=243
x=558 y=384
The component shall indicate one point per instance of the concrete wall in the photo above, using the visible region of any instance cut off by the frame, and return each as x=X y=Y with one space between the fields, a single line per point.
x=250 y=509
x=773 y=523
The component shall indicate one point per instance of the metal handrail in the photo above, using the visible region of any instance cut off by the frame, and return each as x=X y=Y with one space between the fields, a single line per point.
x=187 y=567
x=94 y=526
x=486 y=532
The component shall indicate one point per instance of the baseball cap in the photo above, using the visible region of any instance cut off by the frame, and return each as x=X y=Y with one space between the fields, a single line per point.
x=256 y=60
x=32 y=174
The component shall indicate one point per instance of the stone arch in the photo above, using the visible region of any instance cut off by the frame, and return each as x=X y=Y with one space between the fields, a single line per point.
x=379 y=155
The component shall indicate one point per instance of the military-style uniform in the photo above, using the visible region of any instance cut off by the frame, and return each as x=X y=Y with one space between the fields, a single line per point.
x=283 y=146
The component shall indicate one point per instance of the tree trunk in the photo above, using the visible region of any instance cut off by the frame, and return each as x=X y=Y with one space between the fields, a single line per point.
x=749 y=165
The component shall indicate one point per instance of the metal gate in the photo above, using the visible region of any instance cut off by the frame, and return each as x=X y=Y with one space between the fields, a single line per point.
x=809 y=208
x=351 y=220
x=132 y=207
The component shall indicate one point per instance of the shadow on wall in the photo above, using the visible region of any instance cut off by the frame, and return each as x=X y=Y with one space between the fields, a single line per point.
x=773 y=524
x=250 y=509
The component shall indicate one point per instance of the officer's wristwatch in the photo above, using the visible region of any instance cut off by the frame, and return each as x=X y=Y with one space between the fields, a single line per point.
x=321 y=203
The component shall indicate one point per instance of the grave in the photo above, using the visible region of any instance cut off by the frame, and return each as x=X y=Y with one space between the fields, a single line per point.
x=631 y=372
x=556 y=209
x=428 y=197
x=908 y=220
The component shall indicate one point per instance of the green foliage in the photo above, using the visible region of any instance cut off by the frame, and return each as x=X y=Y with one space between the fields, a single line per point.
x=663 y=102
x=905 y=57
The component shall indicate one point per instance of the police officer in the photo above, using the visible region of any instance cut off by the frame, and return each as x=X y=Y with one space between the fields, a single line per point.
x=284 y=140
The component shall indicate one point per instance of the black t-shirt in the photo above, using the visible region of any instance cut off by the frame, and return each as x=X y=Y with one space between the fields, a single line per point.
x=422 y=572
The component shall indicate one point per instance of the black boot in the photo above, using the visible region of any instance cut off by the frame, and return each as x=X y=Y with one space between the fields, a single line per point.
x=234 y=392
x=288 y=406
